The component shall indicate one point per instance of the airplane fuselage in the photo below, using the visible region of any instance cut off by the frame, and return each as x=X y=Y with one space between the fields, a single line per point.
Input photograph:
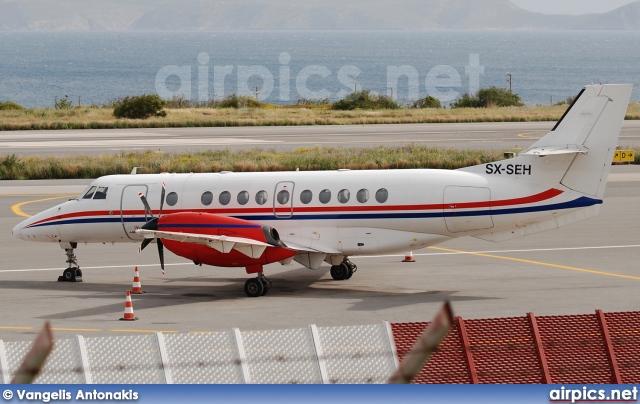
x=340 y=212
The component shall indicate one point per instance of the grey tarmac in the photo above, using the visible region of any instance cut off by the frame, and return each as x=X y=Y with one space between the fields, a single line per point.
x=495 y=136
x=576 y=269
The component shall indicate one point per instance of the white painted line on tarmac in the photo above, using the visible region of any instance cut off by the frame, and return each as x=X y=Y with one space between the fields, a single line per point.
x=505 y=251
x=359 y=256
x=83 y=268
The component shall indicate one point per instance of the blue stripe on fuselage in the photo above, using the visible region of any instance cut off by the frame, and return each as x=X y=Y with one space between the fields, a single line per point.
x=581 y=202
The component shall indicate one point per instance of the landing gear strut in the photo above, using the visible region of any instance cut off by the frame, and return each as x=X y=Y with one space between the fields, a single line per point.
x=73 y=272
x=259 y=286
x=343 y=271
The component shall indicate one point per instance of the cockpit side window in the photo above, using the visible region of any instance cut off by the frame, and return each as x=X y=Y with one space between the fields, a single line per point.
x=89 y=193
x=101 y=193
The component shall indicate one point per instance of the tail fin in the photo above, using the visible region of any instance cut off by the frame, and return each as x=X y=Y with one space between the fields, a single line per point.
x=590 y=129
x=579 y=149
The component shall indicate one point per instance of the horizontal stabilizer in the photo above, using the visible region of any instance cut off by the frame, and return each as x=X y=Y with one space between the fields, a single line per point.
x=552 y=150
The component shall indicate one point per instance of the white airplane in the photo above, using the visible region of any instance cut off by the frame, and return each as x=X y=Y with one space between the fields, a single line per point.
x=253 y=219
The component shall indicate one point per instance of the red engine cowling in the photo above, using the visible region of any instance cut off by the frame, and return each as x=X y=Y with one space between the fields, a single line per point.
x=211 y=224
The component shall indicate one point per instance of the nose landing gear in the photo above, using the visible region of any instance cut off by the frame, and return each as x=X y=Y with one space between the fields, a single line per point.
x=73 y=272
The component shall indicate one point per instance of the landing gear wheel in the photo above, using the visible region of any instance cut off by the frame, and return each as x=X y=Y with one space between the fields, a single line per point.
x=266 y=286
x=254 y=287
x=352 y=268
x=69 y=275
x=340 y=272
x=73 y=272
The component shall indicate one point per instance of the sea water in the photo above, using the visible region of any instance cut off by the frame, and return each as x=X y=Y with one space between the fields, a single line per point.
x=283 y=66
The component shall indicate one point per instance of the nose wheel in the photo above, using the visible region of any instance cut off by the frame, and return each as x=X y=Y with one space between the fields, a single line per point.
x=73 y=272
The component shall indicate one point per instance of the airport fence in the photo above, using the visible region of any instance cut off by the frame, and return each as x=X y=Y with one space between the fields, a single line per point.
x=352 y=354
x=598 y=348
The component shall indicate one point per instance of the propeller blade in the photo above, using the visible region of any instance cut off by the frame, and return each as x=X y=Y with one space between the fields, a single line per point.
x=151 y=224
x=161 y=254
x=147 y=208
x=162 y=198
x=145 y=243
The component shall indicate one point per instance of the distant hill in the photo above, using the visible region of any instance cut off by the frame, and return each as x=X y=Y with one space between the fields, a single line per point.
x=296 y=15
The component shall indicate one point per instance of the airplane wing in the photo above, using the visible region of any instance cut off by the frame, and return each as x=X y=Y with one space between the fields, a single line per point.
x=224 y=244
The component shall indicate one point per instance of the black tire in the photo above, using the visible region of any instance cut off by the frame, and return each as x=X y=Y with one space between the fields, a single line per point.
x=69 y=275
x=339 y=272
x=267 y=286
x=349 y=268
x=78 y=272
x=253 y=287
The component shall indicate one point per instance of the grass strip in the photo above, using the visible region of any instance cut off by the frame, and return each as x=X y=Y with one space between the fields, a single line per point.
x=102 y=118
x=13 y=167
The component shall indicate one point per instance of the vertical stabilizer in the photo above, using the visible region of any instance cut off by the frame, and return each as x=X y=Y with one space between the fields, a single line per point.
x=589 y=129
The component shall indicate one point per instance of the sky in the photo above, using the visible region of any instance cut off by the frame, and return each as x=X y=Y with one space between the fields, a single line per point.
x=571 y=6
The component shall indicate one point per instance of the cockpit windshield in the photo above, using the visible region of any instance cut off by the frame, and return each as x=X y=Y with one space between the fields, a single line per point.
x=95 y=192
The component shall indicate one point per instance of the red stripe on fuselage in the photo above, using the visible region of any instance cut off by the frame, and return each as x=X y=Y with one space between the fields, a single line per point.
x=542 y=196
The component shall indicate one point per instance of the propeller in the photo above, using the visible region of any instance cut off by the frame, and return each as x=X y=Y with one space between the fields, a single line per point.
x=153 y=224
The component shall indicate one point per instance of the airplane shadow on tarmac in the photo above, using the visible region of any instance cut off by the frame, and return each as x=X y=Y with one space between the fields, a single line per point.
x=161 y=293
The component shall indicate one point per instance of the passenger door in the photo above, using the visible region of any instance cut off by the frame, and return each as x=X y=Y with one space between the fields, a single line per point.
x=132 y=212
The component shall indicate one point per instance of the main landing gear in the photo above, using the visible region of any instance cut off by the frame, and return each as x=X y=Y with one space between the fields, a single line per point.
x=256 y=287
x=343 y=271
x=73 y=272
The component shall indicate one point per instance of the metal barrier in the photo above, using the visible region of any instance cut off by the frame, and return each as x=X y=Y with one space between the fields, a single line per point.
x=357 y=354
x=602 y=348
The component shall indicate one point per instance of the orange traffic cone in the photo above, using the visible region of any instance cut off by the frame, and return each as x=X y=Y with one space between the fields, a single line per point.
x=136 y=289
x=128 y=309
x=409 y=257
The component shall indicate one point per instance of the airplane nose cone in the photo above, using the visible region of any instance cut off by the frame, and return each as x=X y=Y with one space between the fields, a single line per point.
x=17 y=231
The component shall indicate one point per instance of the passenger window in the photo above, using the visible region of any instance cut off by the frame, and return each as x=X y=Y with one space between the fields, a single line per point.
x=325 y=196
x=382 y=195
x=283 y=197
x=363 y=195
x=261 y=197
x=224 y=198
x=89 y=193
x=172 y=198
x=101 y=193
x=344 y=195
x=306 y=196
x=206 y=198
x=243 y=197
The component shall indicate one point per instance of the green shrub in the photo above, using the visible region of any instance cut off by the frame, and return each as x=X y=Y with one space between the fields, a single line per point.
x=365 y=100
x=242 y=101
x=489 y=97
x=140 y=107
x=427 y=102
x=8 y=105
x=63 y=103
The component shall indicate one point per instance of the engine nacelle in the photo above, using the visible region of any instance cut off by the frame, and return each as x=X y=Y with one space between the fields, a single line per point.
x=217 y=225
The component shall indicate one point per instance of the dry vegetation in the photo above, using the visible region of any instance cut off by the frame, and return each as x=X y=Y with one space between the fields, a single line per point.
x=102 y=118
x=305 y=159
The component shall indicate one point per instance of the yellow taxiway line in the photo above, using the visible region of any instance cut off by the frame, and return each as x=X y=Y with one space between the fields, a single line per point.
x=525 y=135
x=546 y=264
x=17 y=208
